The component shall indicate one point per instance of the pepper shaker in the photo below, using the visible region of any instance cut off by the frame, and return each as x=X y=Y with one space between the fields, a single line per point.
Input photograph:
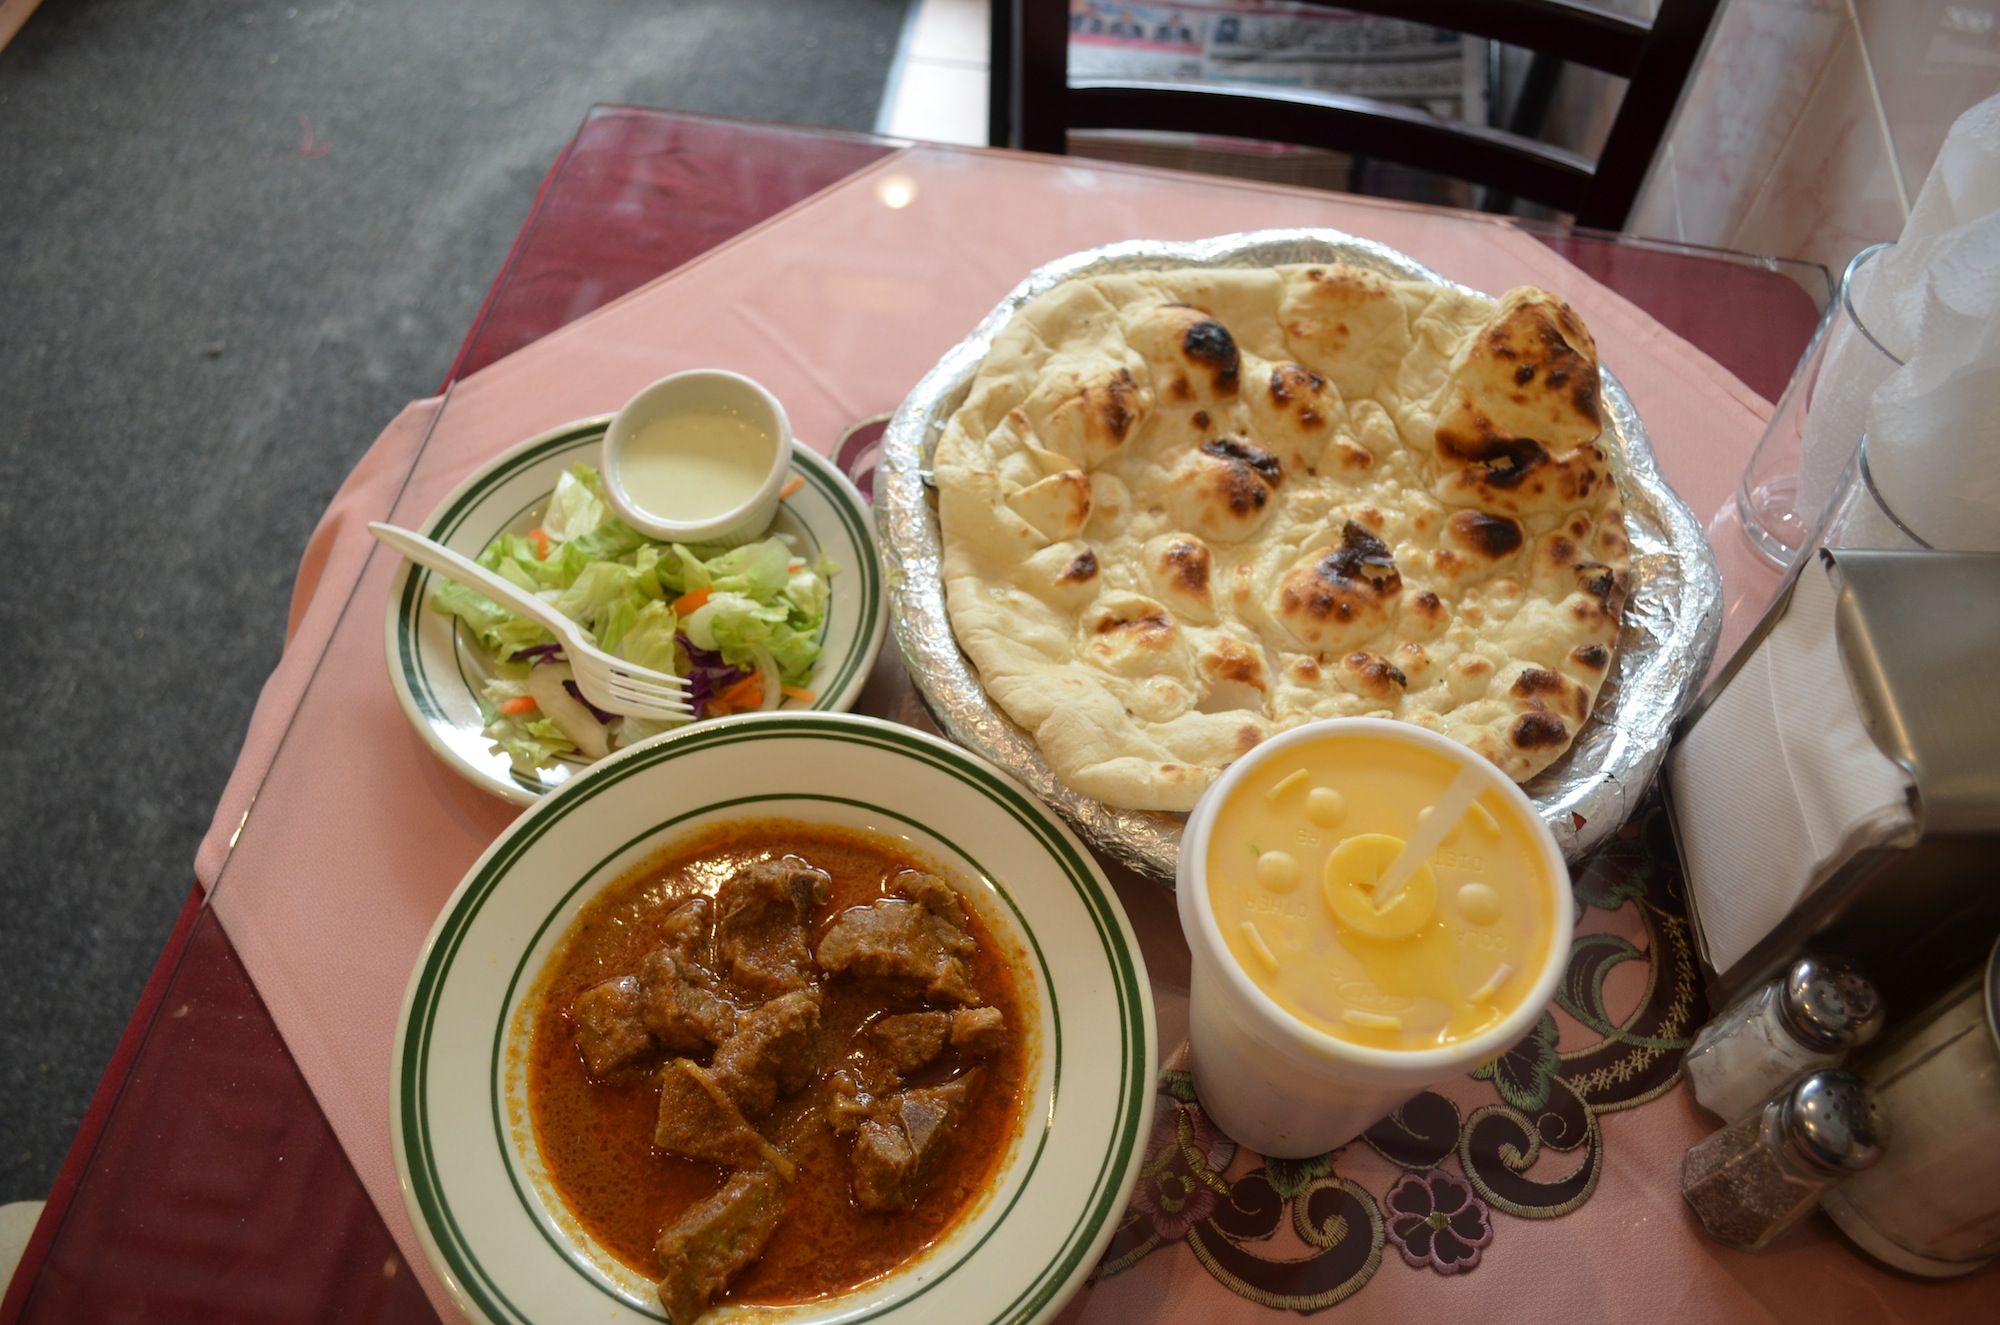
x=1767 y=1170
x=1805 y=1019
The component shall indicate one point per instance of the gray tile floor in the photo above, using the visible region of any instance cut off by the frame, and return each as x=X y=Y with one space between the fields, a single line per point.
x=234 y=239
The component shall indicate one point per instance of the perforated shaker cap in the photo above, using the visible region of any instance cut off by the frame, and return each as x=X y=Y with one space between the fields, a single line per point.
x=1834 y=1123
x=1830 y=1005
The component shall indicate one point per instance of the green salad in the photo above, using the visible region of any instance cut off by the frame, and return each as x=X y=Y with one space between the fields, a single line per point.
x=742 y=624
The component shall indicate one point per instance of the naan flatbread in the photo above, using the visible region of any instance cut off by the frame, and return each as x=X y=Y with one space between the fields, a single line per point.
x=1184 y=510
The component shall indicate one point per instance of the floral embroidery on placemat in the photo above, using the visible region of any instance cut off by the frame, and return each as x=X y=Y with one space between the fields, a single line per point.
x=1299 y=1235
x=1435 y=1220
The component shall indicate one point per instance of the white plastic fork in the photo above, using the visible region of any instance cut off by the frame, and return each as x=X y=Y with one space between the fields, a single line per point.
x=607 y=681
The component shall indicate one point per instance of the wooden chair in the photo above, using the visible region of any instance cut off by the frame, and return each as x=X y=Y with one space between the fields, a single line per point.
x=1034 y=104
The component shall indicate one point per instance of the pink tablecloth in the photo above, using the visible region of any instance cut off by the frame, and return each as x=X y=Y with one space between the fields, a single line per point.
x=355 y=834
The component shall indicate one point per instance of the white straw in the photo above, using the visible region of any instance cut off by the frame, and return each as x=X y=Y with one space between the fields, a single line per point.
x=1451 y=807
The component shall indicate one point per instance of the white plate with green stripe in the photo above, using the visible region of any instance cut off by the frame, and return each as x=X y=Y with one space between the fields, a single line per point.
x=489 y=1219
x=438 y=669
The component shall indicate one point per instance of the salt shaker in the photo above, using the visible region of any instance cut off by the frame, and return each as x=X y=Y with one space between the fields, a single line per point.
x=1767 y=1170
x=1807 y=1018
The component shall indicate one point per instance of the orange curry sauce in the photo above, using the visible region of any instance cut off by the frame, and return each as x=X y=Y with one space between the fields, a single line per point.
x=597 y=1137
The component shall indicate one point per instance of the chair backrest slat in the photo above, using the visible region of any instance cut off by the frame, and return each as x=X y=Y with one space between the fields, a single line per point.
x=1359 y=124
x=1035 y=105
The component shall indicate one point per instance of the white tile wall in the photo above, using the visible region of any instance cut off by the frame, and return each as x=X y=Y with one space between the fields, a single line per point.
x=1811 y=123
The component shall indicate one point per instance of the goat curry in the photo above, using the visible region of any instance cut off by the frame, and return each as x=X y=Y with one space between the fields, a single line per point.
x=774 y=1064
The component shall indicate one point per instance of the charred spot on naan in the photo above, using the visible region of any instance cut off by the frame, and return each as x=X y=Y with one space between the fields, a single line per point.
x=1224 y=490
x=1297 y=411
x=1424 y=613
x=1484 y=538
x=1181 y=568
x=1298 y=389
x=1530 y=372
x=1194 y=358
x=1518 y=476
x=1234 y=676
x=1611 y=542
x=1065 y=574
x=1538 y=732
x=1133 y=635
x=1372 y=677
x=1056 y=507
x=1414 y=661
x=1082 y=568
x=1555 y=554
x=1543 y=690
x=1469 y=677
x=1209 y=344
x=1087 y=413
x=1603 y=585
x=1336 y=596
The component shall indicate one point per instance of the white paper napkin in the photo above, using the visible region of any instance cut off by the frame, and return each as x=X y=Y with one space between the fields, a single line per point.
x=1778 y=782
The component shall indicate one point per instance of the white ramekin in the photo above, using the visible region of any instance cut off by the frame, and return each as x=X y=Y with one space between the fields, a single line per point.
x=701 y=389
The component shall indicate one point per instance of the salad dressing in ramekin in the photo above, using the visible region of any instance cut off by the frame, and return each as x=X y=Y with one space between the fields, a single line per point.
x=698 y=457
x=695 y=464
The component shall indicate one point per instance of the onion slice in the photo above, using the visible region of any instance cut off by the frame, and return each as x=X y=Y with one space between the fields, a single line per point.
x=547 y=685
x=768 y=667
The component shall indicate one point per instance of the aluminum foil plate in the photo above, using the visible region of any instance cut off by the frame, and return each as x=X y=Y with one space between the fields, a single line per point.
x=1672 y=619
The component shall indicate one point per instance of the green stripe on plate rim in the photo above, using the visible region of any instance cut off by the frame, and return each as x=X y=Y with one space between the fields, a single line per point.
x=867 y=570
x=774 y=801
x=426 y=1186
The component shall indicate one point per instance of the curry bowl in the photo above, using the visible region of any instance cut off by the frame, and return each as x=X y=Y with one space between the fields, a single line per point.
x=512 y=1244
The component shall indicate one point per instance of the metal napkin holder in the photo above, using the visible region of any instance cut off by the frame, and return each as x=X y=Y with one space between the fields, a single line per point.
x=1918 y=635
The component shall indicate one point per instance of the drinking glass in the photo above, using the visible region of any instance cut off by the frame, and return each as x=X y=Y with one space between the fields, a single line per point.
x=1777 y=499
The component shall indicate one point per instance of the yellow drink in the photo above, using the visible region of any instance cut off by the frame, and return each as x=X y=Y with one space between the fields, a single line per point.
x=1295 y=854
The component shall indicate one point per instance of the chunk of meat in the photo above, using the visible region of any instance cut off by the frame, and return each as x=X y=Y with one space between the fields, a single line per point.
x=978 y=1032
x=775 y=1051
x=677 y=1005
x=689 y=934
x=933 y=894
x=912 y=1039
x=760 y=928
x=607 y=1025
x=698 y=1118
x=714 y=1240
x=921 y=941
x=849 y=1102
x=896 y=1150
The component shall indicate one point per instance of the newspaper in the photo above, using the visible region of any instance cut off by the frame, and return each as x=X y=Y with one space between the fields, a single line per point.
x=1267 y=43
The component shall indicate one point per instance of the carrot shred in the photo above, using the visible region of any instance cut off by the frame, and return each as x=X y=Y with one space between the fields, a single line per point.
x=799 y=693
x=792 y=485
x=541 y=537
x=747 y=693
x=689 y=601
x=518 y=705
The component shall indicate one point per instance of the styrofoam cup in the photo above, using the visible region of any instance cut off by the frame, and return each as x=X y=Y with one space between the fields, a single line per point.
x=1284 y=1088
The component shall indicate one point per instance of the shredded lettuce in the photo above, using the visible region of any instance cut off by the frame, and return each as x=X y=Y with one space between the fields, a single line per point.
x=621 y=587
